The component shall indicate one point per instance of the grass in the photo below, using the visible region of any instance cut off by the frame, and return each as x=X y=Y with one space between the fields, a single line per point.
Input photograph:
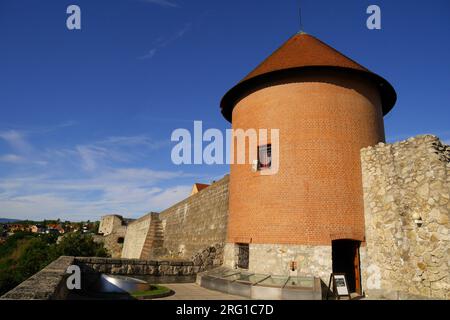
x=155 y=290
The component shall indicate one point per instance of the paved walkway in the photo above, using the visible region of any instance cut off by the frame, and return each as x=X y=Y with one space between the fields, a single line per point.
x=192 y=291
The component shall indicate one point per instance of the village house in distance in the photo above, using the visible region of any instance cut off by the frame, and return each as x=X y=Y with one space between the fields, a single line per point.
x=342 y=202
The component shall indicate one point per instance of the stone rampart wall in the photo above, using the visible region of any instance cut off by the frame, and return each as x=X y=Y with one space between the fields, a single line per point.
x=406 y=200
x=47 y=284
x=196 y=223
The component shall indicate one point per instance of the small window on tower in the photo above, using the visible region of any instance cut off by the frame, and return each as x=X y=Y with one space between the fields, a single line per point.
x=264 y=157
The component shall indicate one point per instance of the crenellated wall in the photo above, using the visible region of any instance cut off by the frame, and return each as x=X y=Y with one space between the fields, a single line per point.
x=404 y=182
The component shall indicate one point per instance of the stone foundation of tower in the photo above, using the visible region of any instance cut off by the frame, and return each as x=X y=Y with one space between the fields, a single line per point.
x=276 y=259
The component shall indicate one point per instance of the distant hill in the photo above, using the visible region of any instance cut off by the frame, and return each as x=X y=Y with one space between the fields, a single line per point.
x=7 y=220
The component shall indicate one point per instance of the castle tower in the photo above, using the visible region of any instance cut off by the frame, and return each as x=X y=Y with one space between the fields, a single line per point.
x=308 y=216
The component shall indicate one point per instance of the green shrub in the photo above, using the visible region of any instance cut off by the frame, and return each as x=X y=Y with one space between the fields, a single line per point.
x=24 y=254
x=79 y=245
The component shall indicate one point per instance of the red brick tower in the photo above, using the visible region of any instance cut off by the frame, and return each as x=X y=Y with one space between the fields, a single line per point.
x=326 y=107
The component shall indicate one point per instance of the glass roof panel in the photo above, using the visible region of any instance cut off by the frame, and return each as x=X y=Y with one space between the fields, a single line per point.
x=276 y=281
x=302 y=282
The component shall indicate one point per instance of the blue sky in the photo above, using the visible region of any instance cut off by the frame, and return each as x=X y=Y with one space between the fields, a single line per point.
x=86 y=116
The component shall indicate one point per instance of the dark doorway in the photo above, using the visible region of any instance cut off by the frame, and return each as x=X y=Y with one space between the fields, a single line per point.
x=346 y=260
x=243 y=255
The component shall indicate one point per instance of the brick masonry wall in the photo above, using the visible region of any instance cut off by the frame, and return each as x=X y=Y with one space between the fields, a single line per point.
x=324 y=120
x=402 y=182
x=197 y=223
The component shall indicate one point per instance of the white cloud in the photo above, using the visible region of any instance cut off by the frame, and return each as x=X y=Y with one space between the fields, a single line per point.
x=115 y=149
x=90 y=155
x=86 y=181
x=149 y=55
x=165 y=199
x=163 y=3
x=17 y=141
x=51 y=128
x=19 y=160
x=140 y=140
x=131 y=192
x=161 y=42
x=11 y=158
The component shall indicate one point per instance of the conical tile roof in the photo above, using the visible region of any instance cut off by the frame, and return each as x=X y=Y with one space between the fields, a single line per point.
x=301 y=52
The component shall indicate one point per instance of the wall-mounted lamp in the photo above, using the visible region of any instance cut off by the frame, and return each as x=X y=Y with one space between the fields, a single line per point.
x=417 y=219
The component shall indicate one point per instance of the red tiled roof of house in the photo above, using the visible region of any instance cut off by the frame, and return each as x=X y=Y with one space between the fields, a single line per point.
x=201 y=186
x=197 y=187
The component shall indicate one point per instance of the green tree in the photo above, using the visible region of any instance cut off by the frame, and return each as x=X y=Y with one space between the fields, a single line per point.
x=8 y=280
x=21 y=256
x=24 y=254
x=77 y=244
x=96 y=226
x=12 y=242
x=36 y=256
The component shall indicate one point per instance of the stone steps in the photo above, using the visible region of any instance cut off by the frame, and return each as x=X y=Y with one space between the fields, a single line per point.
x=154 y=239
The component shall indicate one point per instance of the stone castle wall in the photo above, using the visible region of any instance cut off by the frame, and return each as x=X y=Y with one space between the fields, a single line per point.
x=276 y=259
x=135 y=237
x=197 y=223
x=113 y=242
x=136 y=267
x=112 y=230
x=404 y=182
x=47 y=284
x=194 y=228
x=50 y=282
x=110 y=223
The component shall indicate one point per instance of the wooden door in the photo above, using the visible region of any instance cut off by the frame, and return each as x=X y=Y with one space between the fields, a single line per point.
x=357 y=269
